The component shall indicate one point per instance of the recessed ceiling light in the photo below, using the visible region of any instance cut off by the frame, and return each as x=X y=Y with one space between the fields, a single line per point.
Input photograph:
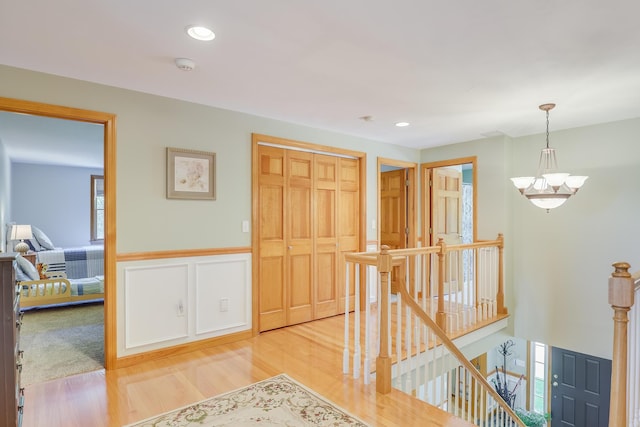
x=402 y=124
x=200 y=33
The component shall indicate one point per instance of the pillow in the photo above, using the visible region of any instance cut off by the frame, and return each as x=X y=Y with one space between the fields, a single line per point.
x=25 y=270
x=42 y=238
x=33 y=245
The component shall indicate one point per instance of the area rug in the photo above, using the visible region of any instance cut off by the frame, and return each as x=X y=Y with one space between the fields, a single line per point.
x=61 y=341
x=277 y=401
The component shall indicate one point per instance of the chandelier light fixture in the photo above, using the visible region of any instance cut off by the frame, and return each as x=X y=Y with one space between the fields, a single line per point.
x=550 y=188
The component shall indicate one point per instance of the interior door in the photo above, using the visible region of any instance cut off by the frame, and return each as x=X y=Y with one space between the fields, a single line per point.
x=393 y=209
x=446 y=219
x=581 y=388
x=393 y=216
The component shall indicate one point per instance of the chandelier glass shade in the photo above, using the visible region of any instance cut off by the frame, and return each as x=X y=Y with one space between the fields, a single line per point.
x=550 y=188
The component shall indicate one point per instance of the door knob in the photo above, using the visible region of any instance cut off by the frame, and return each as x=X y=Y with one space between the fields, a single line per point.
x=555 y=383
x=289 y=247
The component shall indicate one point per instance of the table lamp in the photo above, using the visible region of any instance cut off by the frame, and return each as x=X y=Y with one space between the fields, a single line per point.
x=21 y=232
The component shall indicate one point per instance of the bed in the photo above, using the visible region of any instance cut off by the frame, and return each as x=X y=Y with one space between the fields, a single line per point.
x=68 y=275
x=59 y=290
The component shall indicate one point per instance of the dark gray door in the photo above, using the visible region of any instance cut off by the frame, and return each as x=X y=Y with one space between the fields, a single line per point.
x=580 y=389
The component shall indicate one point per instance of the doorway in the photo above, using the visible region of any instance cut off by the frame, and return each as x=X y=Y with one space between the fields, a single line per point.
x=108 y=123
x=444 y=215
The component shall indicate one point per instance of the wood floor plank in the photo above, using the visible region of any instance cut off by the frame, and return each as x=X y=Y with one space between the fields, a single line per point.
x=311 y=353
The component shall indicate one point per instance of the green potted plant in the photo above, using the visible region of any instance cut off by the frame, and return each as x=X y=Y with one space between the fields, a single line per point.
x=532 y=419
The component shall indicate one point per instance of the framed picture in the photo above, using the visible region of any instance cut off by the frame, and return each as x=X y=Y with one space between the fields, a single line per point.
x=191 y=174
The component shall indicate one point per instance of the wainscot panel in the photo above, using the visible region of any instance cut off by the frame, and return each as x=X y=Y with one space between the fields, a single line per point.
x=155 y=304
x=167 y=302
x=223 y=289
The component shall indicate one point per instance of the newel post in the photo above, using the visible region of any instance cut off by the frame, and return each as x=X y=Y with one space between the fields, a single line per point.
x=441 y=317
x=502 y=309
x=621 y=300
x=383 y=362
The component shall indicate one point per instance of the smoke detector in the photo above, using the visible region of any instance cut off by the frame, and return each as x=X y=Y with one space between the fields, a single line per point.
x=185 y=64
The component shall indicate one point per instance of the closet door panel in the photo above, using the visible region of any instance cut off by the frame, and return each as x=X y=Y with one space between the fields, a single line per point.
x=273 y=262
x=348 y=222
x=299 y=233
x=326 y=213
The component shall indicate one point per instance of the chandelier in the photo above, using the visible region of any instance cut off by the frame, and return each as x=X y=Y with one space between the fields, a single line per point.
x=550 y=188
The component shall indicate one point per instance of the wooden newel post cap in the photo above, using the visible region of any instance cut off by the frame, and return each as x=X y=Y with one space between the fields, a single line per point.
x=621 y=269
x=621 y=286
x=384 y=260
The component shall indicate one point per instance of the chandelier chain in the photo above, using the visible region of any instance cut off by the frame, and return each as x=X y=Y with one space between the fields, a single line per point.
x=547 y=128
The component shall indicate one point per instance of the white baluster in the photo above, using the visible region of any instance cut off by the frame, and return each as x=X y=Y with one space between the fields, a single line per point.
x=345 y=352
x=356 y=328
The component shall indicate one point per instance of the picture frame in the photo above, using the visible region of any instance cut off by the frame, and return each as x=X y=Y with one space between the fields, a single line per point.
x=191 y=174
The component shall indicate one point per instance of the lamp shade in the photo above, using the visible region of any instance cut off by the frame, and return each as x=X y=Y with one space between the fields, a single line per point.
x=21 y=232
x=575 y=182
x=549 y=202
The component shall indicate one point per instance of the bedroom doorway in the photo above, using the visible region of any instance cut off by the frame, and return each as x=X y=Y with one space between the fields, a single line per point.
x=107 y=123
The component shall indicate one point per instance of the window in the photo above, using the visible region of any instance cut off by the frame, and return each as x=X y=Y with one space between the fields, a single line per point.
x=97 y=208
x=539 y=383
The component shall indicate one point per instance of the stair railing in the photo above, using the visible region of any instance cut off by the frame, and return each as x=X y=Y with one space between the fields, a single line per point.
x=426 y=363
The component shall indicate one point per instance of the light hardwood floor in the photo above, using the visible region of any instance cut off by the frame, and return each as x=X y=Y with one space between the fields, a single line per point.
x=311 y=353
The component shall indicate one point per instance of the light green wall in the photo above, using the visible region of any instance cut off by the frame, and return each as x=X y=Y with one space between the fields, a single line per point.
x=557 y=264
x=146 y=124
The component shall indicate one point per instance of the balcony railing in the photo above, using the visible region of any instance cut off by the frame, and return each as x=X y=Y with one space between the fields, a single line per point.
x=424 y=297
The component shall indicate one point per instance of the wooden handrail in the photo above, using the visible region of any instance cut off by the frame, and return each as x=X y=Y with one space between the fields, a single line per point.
x=385 y=376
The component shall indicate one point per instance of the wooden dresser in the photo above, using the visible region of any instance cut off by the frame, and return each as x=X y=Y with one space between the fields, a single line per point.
x=11 y=393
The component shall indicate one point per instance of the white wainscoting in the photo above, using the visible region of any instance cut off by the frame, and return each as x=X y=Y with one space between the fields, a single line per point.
x=166 y=302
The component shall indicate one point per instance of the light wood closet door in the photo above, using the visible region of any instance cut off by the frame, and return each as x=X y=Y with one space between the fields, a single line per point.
x=348 y=222
x=327 y=254
x=273 y=246
x=300 y=242
x=309 y=217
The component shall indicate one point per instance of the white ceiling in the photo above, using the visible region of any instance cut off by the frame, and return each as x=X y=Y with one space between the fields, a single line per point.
x=457 y=70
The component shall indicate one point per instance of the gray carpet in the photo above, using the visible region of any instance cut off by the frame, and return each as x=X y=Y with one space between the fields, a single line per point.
x=62 y=341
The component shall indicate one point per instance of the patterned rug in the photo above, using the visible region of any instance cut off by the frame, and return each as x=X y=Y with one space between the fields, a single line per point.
x=277 y=401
